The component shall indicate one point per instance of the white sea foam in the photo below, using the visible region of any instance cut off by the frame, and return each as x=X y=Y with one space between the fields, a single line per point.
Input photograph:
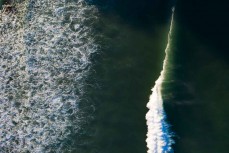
x=158 y=137
x=45 y=50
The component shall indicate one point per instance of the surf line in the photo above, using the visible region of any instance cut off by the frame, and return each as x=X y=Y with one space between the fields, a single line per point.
x=159 y=139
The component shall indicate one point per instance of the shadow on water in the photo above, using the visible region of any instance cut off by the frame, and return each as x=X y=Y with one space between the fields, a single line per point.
x=208 y=21
x=197 y=97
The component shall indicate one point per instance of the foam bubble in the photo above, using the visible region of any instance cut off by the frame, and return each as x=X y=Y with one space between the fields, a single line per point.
x=42 y=69
x=159 y=139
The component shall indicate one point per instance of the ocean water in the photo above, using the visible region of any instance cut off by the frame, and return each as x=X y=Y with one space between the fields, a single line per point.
x=72 y=74
x=196 y=94
x=45 y=59
x=76 y=77
x=159 y=136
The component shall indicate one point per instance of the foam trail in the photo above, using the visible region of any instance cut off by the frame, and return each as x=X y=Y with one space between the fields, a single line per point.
x=158 y=137
x=45 y=49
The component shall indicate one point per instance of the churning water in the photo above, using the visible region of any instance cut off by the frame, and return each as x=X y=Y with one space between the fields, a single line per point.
x=45 y=55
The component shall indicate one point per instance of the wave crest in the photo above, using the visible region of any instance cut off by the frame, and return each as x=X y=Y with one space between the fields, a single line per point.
x=159 y=139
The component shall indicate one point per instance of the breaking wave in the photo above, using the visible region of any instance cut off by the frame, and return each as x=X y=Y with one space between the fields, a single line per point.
x=44 y=59
x=158 y=137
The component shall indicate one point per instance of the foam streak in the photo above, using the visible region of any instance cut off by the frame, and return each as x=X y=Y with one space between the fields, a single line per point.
x=158 y=137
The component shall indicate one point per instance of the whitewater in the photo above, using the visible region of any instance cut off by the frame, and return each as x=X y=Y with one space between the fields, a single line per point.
x=45 y=50
x=159 y=138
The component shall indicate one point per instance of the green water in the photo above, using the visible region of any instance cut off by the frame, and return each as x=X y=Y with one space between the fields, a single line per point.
x=1 y=3
x=132 y=36
x=195 y=91
x=197 y=97
x=126 y=68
